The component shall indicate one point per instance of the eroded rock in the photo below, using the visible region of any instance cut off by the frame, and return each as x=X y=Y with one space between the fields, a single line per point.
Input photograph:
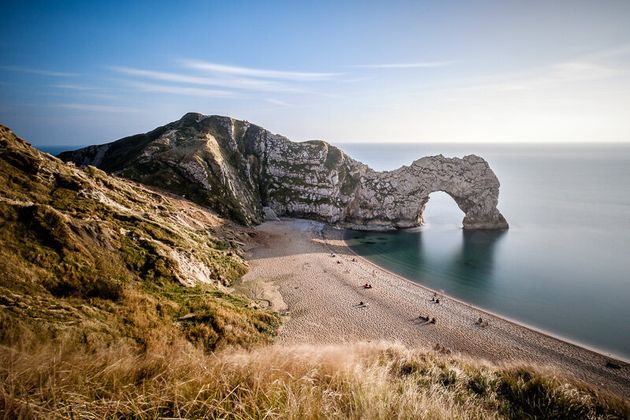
x=238 y=169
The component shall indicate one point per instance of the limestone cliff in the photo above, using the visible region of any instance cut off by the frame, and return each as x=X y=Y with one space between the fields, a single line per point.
x=239 y=168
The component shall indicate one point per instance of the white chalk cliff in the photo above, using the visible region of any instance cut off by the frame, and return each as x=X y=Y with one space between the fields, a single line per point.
x=239 y=168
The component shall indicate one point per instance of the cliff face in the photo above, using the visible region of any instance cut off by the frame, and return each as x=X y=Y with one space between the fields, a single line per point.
x=239 y=168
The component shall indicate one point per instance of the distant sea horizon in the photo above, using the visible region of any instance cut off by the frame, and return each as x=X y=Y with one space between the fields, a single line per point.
x=432 y=148
x=55 y=149
x=562 y=267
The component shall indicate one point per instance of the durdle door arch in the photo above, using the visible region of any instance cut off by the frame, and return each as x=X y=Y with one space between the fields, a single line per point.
x=397 y=199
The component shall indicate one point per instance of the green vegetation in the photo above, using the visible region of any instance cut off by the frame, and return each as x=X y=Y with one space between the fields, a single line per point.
x=96 y=322
x=100 y=259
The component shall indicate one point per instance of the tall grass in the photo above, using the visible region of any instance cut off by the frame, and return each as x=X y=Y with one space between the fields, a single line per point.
x=375 y=381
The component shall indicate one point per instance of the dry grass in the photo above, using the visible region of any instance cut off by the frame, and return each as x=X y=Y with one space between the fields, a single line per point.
x=376 y=381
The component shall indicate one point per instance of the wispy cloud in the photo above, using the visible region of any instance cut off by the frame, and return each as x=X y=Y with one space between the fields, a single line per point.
x=257 y=72
x=278 y=102
x=96 y=108
x=74 y=87
x=612 y=52
x=233 y=83
x=420 y=65
x=554 y=76
x=575 y=71
x=82 y=91
x=187 y=91
x=39 y=72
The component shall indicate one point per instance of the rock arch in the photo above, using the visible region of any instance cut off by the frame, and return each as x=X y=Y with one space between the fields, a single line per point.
x=397 y=199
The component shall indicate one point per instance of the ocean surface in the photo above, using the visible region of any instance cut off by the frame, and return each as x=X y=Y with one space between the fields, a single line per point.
x=56 y=149
x=564 y=264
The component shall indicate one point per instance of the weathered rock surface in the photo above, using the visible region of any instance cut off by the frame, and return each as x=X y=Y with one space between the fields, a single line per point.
x=238 y=168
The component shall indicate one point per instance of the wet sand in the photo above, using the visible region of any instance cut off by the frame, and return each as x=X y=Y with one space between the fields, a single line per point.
x=292 y=270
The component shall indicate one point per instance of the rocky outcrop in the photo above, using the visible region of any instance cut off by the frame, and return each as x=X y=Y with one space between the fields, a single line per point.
x=238 y=168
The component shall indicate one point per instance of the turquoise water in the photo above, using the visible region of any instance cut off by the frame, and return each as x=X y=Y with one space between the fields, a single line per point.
x=564 y=265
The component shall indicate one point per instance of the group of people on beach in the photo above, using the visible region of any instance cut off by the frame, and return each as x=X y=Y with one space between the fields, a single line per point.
x=427 y=319
x=480 y=322
x=434 y=299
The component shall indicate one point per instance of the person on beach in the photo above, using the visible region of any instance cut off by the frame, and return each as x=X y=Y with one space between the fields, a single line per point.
x=481 y=323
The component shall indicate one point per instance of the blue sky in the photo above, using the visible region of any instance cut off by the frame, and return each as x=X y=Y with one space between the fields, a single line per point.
x=485 y=71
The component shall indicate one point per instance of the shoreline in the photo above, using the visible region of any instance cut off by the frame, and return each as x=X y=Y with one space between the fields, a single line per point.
x=292 y=269
x=600 y=352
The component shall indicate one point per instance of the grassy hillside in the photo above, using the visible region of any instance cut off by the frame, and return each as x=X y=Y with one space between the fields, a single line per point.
x=99 y=258
x=114 y=302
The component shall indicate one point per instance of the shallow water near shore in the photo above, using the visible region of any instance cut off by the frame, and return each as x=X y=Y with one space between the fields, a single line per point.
x=564 y=264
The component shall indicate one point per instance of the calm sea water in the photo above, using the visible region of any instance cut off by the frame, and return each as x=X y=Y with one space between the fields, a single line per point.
x=564 y=265
x=56 y=149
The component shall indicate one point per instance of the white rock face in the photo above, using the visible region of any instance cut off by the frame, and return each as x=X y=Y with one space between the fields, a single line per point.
x=239 y=169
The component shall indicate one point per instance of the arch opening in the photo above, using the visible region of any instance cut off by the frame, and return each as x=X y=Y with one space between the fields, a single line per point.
x=441 y=209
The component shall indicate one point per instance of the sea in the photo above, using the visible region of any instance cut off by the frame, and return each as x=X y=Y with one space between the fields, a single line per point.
x=56 y=149
x=563 y=267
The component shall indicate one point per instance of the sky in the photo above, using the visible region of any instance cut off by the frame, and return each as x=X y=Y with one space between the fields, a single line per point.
x=86 y=72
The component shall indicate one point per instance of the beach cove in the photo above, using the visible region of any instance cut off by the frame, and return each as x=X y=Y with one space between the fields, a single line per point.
x=292 y=269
